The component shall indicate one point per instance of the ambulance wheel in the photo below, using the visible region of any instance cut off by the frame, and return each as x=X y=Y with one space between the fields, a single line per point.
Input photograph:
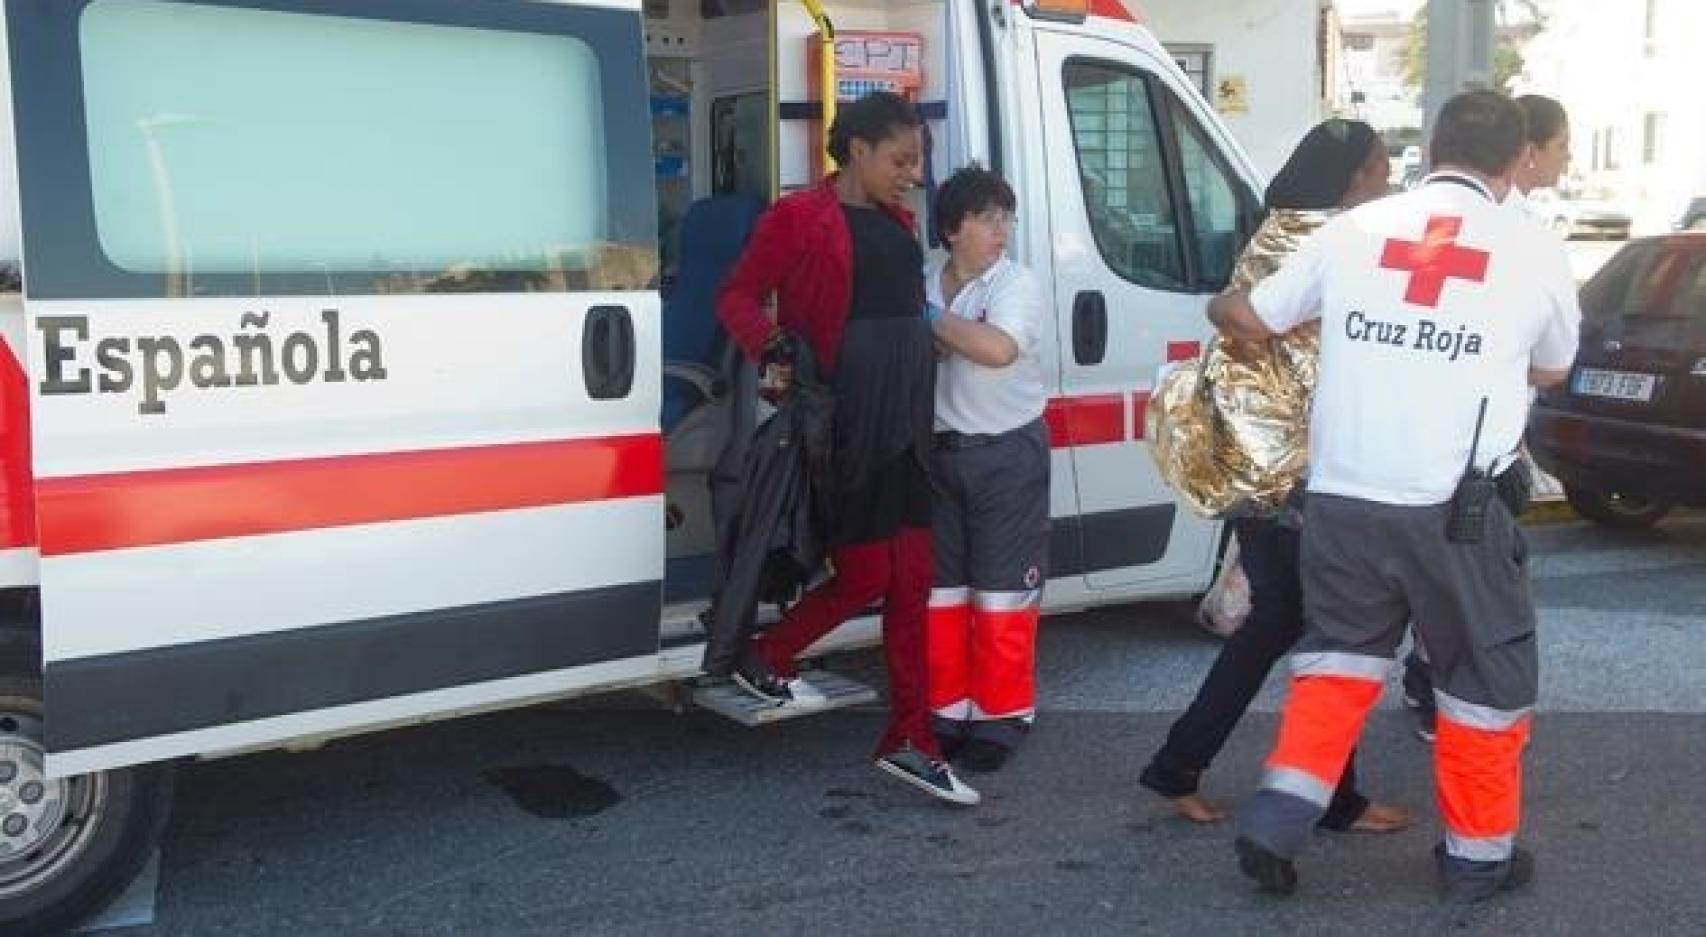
x=68 y=846
x=1617 y=511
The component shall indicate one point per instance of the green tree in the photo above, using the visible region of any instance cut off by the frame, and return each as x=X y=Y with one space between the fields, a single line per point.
x=1507 y=57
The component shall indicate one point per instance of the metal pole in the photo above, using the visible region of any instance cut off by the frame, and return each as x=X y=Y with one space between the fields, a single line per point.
x=826 y=65
x=1460 y=52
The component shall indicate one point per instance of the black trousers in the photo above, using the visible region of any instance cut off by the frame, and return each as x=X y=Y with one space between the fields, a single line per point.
x=1269 y=555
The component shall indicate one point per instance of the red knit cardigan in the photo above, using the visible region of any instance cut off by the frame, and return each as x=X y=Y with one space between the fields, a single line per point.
x=802 y=251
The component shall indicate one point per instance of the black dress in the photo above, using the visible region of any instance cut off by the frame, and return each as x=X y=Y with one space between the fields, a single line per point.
x=884 y=384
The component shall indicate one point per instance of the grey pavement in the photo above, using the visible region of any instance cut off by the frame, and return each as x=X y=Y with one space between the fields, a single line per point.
x=611 y=816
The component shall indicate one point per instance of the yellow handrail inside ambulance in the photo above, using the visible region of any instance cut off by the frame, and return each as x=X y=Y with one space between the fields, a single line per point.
x=826 y=60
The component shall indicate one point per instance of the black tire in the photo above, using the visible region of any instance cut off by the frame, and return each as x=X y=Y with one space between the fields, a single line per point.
x=111 y=824
x=1617 y=511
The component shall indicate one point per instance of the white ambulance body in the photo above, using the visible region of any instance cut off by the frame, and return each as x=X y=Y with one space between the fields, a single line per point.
x=332 y=381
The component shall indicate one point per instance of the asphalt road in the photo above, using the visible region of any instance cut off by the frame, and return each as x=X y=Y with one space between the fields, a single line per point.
x=615 y=817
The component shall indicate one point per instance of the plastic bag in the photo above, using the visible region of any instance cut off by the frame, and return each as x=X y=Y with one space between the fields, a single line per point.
x=1227 y=604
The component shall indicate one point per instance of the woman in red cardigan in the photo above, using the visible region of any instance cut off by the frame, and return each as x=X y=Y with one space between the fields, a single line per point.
x=846 y=269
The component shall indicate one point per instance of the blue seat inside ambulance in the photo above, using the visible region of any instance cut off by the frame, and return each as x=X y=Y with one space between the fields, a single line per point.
x=713 y=233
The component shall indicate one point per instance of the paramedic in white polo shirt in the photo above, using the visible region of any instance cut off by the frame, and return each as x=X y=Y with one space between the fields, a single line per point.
x=1541 y=164
x=1438 y=309
x=990 y=471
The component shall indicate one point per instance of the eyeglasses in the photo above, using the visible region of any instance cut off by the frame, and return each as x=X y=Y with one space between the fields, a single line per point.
x=1006 y=221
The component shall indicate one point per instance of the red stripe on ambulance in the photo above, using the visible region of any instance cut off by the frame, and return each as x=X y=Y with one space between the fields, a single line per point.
x=1085 y=421
x=91 y=513
x=17 y=500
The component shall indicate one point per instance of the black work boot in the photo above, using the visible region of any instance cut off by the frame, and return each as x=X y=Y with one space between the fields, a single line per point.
x=1465 y=881
x=1271 y=872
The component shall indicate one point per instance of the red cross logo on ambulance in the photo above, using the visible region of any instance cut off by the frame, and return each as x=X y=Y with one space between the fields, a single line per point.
x=1434 y=260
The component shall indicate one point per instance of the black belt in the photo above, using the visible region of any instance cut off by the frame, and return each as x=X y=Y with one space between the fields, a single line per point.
x=950 y=439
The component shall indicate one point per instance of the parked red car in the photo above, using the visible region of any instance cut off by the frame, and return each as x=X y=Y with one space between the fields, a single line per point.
x=1627 y=433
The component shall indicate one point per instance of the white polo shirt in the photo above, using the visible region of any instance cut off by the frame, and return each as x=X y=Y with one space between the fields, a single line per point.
x=1430 y=300
x=1524 y=207
x=973 y=398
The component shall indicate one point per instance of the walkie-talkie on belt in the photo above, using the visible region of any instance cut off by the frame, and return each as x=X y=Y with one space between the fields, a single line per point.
x=1467 y=522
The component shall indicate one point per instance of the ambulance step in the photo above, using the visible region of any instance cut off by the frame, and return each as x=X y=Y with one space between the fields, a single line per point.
x=729 y=700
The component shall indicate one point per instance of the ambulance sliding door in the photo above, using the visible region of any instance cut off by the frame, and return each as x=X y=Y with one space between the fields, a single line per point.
x=343 y=356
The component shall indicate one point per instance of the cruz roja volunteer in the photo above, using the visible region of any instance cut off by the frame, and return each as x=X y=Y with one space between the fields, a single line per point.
x=1438 y=309
x=990 y=470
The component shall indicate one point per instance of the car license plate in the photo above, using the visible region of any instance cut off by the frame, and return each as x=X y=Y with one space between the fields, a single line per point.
x=1618 y=385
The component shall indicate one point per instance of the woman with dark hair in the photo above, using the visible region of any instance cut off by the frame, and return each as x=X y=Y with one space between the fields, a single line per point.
x=1338 y=164
x=847 y=273
x=1547 y=153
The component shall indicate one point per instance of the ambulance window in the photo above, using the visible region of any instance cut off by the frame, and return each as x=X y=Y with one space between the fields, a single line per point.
x=1213 y=200
x=1124 y=178
x=234 y=150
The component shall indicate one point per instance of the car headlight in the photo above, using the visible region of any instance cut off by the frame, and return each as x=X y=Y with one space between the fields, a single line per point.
x=1699 y=368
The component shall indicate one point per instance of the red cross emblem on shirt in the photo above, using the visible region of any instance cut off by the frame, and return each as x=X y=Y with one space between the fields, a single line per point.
x=1433 y=261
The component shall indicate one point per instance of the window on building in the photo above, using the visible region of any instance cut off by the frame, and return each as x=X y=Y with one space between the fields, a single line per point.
x=1652 y=139
x=1124 y=178
x=1612 y=160
x=1197 y=62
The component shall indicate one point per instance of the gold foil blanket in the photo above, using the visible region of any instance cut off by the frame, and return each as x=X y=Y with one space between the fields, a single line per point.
x=1229 y=429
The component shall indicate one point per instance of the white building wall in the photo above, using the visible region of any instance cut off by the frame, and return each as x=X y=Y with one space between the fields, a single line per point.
x=1595 y=57
x=1273 y=46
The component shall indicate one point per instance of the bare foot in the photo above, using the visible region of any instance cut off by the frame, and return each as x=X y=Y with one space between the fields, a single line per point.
x=1383 y=818
x=1197 y=810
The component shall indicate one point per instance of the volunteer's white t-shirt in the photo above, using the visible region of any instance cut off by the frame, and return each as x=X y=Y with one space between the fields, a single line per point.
x=1430 y=300
x=973 y=398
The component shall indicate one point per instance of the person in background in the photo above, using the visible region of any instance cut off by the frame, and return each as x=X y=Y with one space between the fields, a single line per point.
x=991 y=475
x=1546 y=154
x=1339 y=164
x=847 y=273
x=1544 y=158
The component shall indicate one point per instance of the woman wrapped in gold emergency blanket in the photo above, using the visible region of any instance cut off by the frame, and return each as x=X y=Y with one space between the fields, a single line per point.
x=1230 y=429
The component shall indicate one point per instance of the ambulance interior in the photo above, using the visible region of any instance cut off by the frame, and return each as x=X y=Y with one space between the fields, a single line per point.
x=733 y=123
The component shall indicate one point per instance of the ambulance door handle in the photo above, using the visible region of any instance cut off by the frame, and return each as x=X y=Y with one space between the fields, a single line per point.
x=1089 y=328
x=607 y=352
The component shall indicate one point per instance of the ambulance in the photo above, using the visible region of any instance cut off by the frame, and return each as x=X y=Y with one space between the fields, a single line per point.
x=360 y=364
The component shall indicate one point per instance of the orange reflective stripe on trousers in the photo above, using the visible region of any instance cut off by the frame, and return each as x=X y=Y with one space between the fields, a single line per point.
x=948 y=652
x=1478 y=770
x=1004 y=652
x=1323 y=717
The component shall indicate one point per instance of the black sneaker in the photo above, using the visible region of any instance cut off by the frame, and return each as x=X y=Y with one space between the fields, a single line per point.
x=1271 y=873
x=754 y=676
x=982 y=756
x=933 y=777
x=1467 y=882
